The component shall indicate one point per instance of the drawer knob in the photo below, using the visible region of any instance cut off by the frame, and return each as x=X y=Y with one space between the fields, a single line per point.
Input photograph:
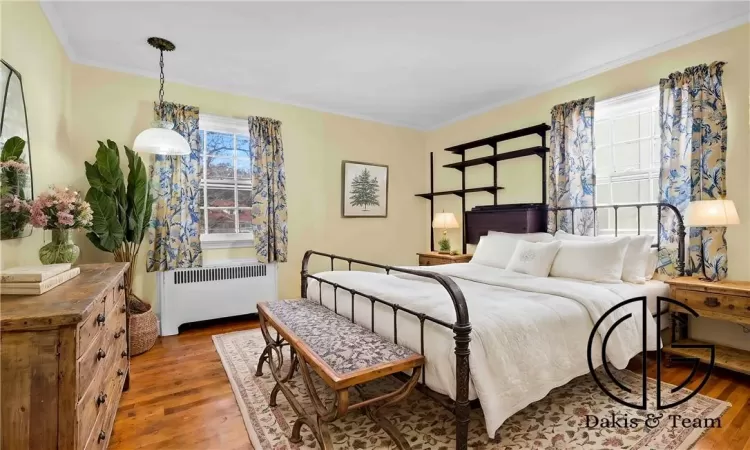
x=102 y=436
x=123 y=308
x=101 y=399
x=121 y=286
x=101 y=354
x=730 y=306
x=120 y=333
x=120 y=372
x=124 y=353
x=100 y=319
x=712 y=302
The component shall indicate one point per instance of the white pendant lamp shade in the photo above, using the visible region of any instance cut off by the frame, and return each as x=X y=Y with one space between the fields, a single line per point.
x=161 y=141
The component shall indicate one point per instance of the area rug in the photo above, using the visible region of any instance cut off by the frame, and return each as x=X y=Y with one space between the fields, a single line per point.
x=556 y=422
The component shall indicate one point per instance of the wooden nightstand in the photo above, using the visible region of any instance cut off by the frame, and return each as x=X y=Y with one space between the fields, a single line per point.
x=435 y=259
x=724 y=300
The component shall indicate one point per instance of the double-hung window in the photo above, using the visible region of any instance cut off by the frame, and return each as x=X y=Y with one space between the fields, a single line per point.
x=226 y=195
x=626 y=160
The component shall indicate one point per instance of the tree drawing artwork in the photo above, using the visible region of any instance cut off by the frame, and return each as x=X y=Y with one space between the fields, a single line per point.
x=364 y=190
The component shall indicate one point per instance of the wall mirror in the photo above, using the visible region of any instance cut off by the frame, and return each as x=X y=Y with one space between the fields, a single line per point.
x=16 y=190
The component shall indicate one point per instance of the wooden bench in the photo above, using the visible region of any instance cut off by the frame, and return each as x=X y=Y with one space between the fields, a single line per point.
x=342 y=353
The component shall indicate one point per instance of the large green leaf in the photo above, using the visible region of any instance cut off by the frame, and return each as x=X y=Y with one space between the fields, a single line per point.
x=108 y=164
x=138 y=196
x=96 y=241
x=94 y=177
x=106 y=224
x=12 y=149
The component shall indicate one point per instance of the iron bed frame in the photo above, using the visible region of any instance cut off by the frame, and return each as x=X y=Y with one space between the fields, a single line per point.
x=461 y=406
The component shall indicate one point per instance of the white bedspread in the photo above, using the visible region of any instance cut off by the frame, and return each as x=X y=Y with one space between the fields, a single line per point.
x=529 y=334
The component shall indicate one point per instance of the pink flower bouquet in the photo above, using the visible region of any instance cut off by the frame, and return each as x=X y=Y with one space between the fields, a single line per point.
x=60 y=209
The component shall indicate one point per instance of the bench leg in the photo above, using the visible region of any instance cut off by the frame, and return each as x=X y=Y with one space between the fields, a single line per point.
x=374 y=411
x=293 y=362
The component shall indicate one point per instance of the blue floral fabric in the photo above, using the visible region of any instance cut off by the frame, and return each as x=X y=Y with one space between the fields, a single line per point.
x=269 y=212
x=693 y=119
x=571 y=175
x=173 y=234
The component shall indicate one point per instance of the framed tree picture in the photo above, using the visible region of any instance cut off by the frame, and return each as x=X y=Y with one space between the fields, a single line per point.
x=364 y=189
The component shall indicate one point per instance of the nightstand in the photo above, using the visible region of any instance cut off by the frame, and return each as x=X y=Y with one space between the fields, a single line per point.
x=436 y=259
x=724 y=300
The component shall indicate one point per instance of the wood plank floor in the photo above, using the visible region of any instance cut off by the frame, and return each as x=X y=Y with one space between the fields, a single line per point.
x=180 y=398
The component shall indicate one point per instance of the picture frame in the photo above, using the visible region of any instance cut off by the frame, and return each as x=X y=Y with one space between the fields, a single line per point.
x=364 y=189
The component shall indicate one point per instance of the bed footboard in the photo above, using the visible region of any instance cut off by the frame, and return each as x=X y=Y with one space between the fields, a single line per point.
x=461 y=327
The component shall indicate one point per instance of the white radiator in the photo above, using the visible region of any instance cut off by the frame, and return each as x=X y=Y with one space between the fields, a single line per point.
x=212 y=292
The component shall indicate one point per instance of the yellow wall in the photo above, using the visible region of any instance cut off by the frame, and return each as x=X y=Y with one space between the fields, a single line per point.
x=522 y=177
x=111 y=105
x=30 y=46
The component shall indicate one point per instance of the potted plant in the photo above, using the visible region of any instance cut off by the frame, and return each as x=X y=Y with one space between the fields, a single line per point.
x=61 y=211
x=121 y=216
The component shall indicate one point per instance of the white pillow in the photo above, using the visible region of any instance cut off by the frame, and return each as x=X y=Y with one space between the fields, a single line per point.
x=636 y=257
x=653 y=261
x=599 y=261
x=496 y=248
x=528 y=237
x=534 y=258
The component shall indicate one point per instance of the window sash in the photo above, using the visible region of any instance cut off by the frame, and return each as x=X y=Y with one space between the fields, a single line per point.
x=237 y=128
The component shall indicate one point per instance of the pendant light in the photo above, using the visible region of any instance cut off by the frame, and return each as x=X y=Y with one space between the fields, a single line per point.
x=161 y=139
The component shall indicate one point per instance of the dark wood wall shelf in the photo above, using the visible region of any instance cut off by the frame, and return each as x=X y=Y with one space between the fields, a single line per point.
x=492 y=141
x=461 y=192
x=492 y=159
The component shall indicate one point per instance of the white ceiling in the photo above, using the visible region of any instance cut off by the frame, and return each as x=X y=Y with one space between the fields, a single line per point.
x=420 y=65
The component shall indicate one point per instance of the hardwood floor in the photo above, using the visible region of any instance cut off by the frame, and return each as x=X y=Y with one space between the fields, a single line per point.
x=180 y=398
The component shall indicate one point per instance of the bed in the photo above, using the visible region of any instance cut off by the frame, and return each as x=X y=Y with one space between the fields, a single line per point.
x=527 y=335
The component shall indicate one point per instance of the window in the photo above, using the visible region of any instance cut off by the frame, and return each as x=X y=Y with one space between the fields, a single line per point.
x=226 y=184
x=626 y=159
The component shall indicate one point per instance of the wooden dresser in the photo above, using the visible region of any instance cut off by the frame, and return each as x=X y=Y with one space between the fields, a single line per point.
x=64 y=362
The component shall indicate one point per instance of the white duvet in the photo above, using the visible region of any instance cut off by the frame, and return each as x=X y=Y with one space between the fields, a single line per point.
x=529 y=334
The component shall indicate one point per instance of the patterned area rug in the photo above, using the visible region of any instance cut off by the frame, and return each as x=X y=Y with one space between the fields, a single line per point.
x=556 y=422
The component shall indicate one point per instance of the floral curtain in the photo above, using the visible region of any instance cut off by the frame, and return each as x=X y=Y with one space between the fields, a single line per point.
x=173 y=234
x=571 y=175
x=693 y=119
x=269 y=190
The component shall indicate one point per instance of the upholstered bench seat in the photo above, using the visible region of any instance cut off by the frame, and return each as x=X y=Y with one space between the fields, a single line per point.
x=342 y=353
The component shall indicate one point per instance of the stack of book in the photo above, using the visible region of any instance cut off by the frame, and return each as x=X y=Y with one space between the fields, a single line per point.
x=35 y=280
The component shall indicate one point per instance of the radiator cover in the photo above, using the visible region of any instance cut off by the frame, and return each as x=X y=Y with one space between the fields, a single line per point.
x=212 y=292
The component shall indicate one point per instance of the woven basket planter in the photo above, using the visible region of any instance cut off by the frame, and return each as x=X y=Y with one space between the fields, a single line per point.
x=143 y=326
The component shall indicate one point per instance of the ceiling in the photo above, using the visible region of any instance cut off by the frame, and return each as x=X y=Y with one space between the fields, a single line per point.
x=420 y=65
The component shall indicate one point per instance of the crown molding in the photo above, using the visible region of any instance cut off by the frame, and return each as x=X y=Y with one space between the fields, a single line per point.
x=49 y=10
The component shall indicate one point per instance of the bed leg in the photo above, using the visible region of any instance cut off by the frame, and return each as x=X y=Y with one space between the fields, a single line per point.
x=463 y=408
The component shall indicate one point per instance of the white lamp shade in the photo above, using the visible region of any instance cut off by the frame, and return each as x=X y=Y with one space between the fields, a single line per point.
x=711 y=213
x=161 y=141
x=444 y=220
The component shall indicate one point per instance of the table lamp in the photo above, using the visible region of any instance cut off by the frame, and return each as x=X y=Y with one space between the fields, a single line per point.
x=445 y=221
x=710 y=213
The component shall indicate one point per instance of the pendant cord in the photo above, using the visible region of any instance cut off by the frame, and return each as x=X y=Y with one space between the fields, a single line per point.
x=161 y=83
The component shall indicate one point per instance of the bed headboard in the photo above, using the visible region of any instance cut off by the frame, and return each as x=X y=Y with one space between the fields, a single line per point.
x=532 y=217
x=521 y=218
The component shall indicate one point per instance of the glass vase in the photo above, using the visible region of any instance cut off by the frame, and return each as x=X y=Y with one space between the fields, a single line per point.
x=60 y=250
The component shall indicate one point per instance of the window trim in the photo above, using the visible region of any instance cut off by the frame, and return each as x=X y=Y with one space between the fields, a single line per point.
x=234 y=126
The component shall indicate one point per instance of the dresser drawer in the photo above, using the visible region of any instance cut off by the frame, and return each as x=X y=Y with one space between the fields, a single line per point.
x=428 y=261
x=115 y=323
x=91 y=406
x=114 y=296
x=89 y=330
x=730 y=305
x=96 y=357
x=102 y=428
